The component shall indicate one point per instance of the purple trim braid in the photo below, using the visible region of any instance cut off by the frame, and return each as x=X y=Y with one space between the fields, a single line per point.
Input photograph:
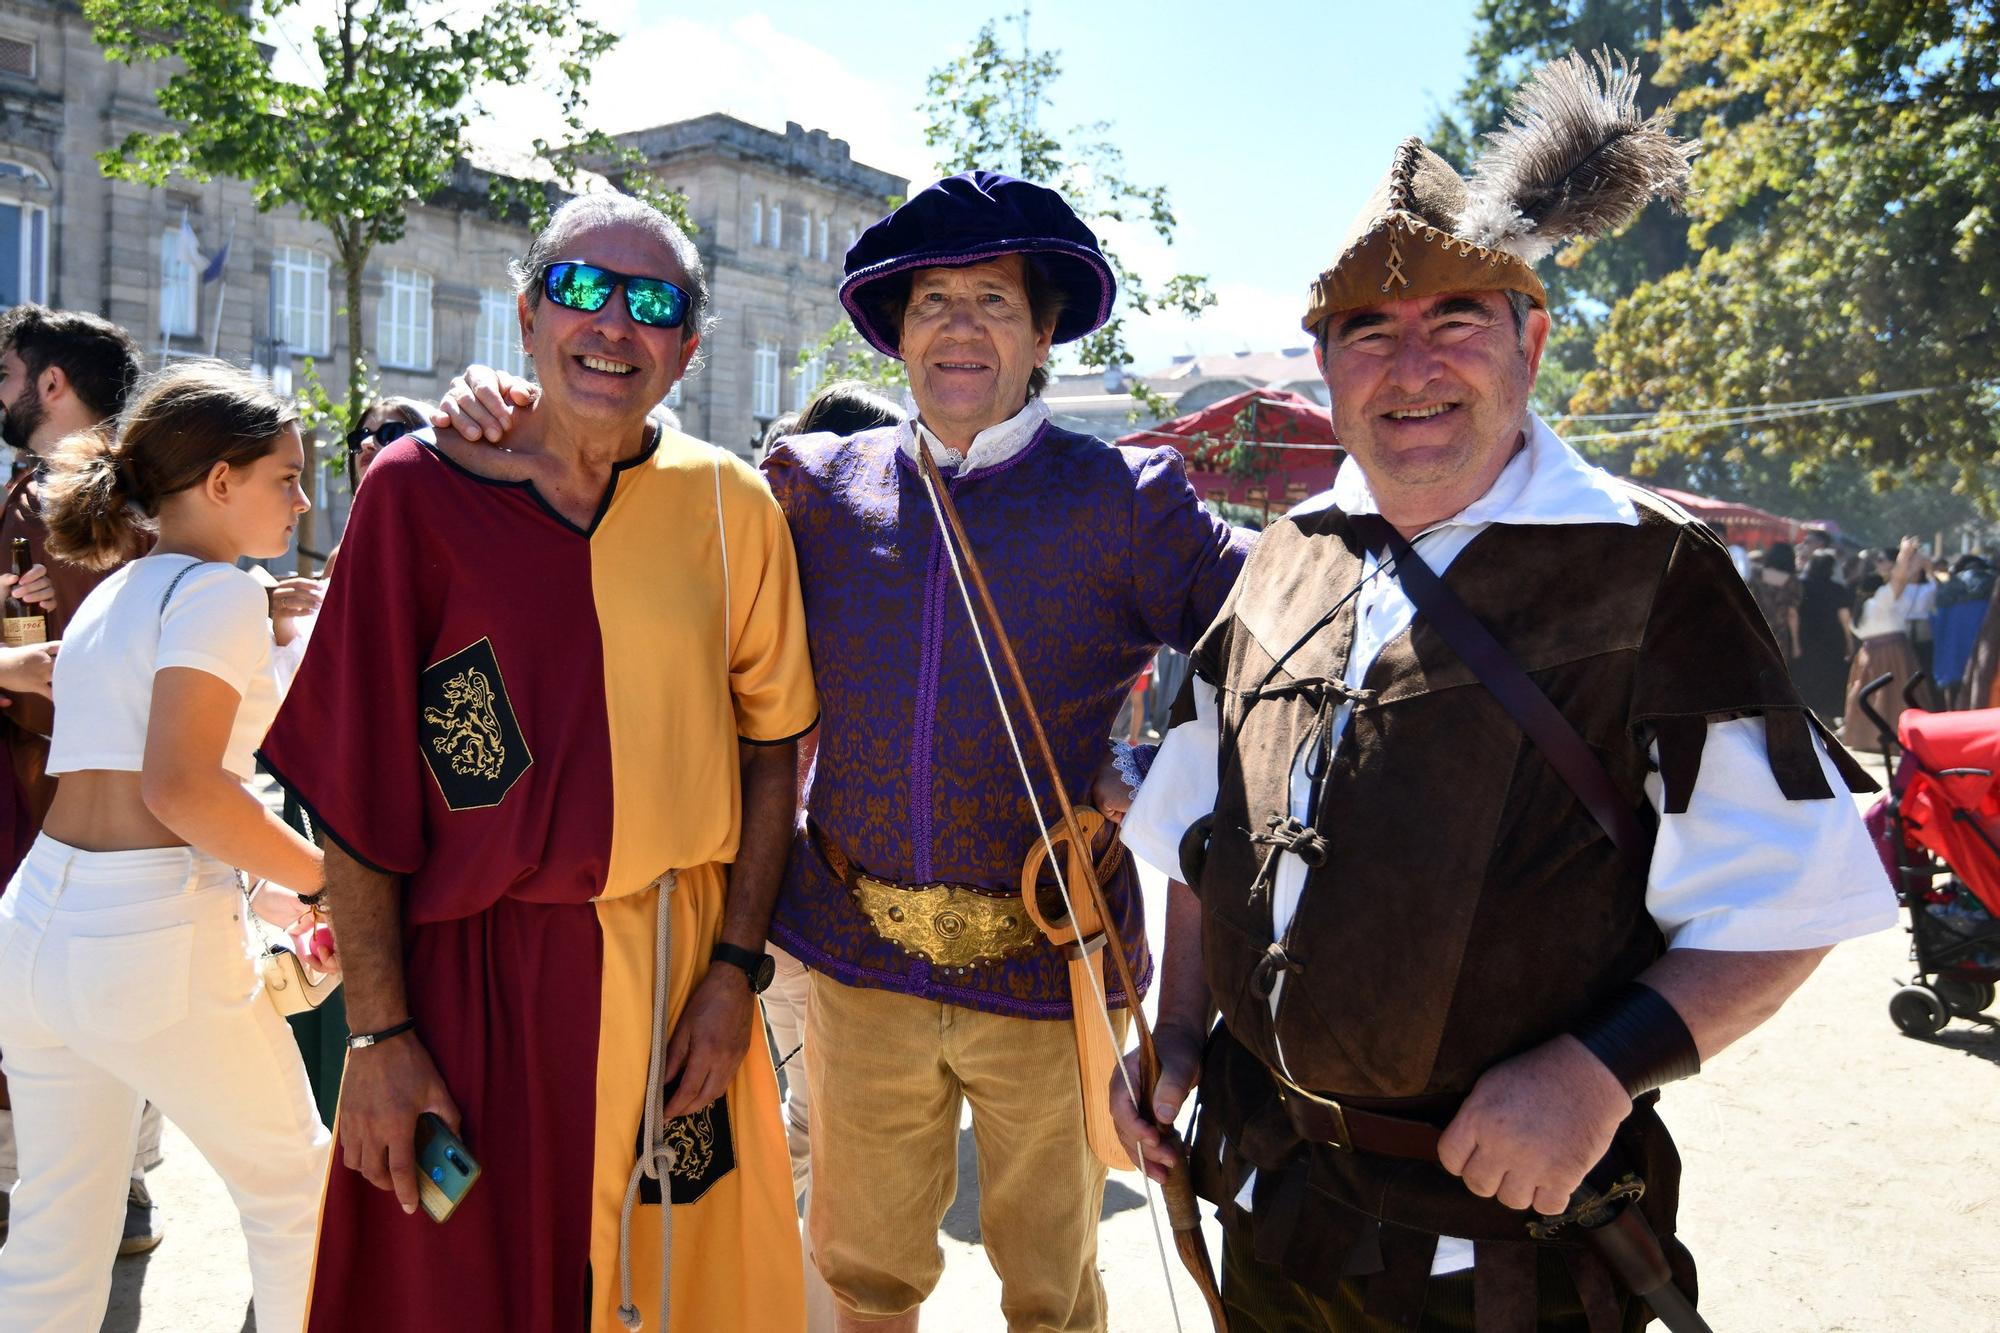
x=913 y=981
x=930 y=656
x=1106 y=281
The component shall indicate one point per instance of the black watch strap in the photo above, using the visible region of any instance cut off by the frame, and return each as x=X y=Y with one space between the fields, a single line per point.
x=759 y=967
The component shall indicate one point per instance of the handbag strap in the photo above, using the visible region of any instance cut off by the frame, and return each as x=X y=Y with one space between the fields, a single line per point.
x=1544 y=724
x=185 y=570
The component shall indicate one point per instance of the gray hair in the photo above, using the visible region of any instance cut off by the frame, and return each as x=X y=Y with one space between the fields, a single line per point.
x=588 y=211
x=1518 y=305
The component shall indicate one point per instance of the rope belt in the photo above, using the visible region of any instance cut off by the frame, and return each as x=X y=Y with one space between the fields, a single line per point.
x=656 y=1157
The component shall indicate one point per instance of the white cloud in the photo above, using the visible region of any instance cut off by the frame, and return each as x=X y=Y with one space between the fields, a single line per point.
x=680 y=67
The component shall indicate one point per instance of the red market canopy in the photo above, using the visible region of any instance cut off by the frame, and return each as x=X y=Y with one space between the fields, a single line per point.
x=1298 y=455
x=1744 y=525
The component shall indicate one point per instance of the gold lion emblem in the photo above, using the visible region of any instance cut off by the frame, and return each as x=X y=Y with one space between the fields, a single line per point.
x=471 y=738
x=692 y=1137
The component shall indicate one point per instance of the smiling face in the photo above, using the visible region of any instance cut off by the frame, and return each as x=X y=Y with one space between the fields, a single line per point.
x=970 y=343
x=605 y=370
x=1431 y=396
x=265 y=498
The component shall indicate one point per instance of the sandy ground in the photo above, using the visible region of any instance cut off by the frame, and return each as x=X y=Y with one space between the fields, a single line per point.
x=1840 y=1176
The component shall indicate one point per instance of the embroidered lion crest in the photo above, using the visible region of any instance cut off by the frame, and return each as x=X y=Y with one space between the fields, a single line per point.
x=471 y=734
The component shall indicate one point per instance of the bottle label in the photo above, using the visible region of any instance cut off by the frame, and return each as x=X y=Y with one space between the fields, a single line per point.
x=20 y=631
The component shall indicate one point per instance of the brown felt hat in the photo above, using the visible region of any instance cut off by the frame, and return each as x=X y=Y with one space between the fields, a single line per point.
x=1404 y=245
x=1574 y=160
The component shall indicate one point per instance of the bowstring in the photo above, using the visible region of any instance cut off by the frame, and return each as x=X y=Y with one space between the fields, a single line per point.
x=1054 y=863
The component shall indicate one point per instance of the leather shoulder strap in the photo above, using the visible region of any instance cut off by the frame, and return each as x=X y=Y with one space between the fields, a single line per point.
x=1544 y=724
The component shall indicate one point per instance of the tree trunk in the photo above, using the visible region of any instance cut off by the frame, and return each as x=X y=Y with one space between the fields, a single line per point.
x=353 y=261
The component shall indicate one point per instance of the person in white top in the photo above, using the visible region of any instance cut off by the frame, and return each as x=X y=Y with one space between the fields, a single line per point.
x=125 y=971
x=1495 y=807
x=1885 y=601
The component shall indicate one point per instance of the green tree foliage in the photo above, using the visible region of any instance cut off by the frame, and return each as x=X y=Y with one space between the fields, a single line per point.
x=1845 y=239
x=382 y=128
x=989 y=109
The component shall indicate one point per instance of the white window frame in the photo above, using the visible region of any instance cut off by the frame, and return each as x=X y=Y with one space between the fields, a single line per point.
x=403 y=324
x=757 y=220
x=806 y=235
x=777 y=226
x=496 y=339
x=180 y=304
x=823 y=229
x=806 y=381
x=764 y=380
x=311 y=315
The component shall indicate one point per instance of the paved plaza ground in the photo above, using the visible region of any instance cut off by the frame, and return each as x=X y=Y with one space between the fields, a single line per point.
x=1840 y=1176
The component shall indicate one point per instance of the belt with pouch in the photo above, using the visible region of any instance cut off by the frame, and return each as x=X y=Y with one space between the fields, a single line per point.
x=943 y=923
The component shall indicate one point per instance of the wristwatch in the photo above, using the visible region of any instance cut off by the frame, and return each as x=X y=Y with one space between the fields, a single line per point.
x=759 y=967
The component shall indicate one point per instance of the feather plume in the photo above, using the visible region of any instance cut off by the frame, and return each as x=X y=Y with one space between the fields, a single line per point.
x=1575 y=159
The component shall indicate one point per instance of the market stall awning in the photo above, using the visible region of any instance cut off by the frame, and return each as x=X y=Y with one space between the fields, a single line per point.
x=1745 y=525
x=1265 y=449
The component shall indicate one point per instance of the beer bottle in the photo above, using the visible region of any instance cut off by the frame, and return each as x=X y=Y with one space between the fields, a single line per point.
x=24 y=622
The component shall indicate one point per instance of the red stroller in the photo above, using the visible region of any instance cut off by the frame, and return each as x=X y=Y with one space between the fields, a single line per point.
x=1938 y=830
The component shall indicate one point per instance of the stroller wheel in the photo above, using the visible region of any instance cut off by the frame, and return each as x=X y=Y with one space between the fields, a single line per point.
x=1964 y=996
x=1918 y=1011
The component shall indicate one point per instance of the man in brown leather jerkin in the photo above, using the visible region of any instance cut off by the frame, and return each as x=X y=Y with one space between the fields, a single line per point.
x=1460 y=931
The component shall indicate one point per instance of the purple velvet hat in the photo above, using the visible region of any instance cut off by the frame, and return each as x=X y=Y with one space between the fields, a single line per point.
x=971 y=218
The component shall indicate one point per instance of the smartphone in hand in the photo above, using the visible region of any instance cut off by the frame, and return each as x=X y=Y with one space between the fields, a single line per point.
x=445 y=1167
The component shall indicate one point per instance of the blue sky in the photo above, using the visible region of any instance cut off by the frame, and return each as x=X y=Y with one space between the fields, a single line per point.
x=1268 y=121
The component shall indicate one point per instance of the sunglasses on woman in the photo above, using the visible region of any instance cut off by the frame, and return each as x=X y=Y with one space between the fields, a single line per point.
x=573 y=284
x=384 y=435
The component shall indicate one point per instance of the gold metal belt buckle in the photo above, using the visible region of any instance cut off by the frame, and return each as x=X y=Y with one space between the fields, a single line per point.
x=1343 y=1140
x=949 y=925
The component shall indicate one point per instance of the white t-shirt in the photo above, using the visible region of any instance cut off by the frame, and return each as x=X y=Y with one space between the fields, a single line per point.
x=218 y=621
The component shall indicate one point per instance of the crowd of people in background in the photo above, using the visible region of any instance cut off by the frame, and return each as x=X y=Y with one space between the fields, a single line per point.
x=1847 y=618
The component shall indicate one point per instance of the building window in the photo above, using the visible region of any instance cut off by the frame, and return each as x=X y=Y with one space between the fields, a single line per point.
x=764 y=381
x=497 y=340
x=299 y=301
x=777 y=226
x=757 y=221
x=822 y=238
x=806 y=380
x=853 y=234
x=806 y=236
x=177 y=286
x=17 y=57
x=403 y=320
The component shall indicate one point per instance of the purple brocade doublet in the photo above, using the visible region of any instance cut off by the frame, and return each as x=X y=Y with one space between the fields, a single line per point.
x=1095 y=555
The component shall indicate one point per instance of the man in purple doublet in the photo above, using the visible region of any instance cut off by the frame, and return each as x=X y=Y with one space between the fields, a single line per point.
x=1096 y=556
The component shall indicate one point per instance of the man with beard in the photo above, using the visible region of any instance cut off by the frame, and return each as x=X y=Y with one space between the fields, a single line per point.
x=61 y=371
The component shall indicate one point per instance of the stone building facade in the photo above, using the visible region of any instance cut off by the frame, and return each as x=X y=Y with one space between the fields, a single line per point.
x=776 y=214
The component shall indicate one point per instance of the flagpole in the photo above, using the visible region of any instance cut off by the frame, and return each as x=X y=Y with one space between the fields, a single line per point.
x=221 y=292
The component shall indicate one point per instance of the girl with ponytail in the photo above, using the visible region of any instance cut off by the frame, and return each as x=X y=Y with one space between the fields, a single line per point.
x=124 y=968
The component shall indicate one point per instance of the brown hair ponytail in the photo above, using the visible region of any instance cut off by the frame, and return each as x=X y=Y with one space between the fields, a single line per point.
x=103 y=490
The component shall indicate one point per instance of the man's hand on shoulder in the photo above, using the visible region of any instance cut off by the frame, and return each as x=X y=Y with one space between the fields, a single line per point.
x=481 y=404
x=1534 y=1125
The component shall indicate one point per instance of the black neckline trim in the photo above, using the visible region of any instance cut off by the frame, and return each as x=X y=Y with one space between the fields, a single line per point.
x=427 y=439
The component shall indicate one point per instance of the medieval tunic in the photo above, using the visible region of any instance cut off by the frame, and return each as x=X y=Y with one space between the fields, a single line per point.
x=1467 y=908
x=529 y=723
x=1096 y=555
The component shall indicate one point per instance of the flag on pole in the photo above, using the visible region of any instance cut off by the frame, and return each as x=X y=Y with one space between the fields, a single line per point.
x=215 y=263
x=188 y=248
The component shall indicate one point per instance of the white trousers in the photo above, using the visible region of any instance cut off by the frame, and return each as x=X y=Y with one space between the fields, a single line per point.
x=127 y=976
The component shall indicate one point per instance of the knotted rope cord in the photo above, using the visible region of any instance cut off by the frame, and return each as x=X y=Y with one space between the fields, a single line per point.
x=1054 y=863
x=657 y=1158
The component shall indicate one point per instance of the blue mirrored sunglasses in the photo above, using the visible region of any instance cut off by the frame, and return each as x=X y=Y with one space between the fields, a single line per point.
x=573 y=284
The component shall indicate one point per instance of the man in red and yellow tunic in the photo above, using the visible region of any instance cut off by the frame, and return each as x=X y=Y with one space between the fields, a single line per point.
x=554 y=693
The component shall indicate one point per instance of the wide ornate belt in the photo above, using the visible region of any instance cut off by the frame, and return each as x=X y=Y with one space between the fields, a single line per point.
x=946 y=925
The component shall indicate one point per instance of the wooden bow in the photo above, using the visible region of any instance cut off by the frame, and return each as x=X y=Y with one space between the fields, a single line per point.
x=1183 y=1210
